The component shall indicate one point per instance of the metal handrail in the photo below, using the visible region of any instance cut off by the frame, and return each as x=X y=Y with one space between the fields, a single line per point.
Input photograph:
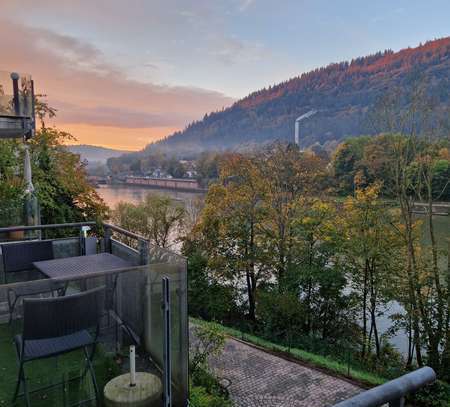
x=392 y=392
x=43 y=227
x=72 y=225
x=124 y=231
x=14 y=116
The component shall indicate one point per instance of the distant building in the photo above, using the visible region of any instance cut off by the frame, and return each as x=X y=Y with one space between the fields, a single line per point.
x=169 y=183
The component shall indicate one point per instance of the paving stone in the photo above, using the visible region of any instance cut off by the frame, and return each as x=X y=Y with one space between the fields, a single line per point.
x=260 y=379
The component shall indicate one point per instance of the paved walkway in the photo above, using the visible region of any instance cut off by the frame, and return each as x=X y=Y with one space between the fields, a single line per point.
x=261 y=379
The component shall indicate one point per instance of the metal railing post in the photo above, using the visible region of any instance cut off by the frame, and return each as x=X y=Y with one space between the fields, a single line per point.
x=15 y=80
x=143 y=251
x=167 y=388
x=107 y=239
x=398 y=403
x=82 y=241
x=33 y=111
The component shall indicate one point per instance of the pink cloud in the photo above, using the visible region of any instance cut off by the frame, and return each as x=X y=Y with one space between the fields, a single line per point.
x=88 y=90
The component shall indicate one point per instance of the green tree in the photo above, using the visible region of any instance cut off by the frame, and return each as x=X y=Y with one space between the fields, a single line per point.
x=59 y=177
x=290 y=178
x=372 y=250
x=230 y=226
x=346 y=162
x=158 y=218
x=11 y=184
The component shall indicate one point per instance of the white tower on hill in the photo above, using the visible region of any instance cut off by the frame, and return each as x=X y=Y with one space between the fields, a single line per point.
x=297 y=124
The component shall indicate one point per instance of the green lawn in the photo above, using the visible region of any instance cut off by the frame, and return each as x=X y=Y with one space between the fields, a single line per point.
x=51 y=371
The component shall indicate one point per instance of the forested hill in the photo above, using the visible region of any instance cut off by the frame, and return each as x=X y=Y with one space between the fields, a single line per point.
x=94 y=154
x=342 y=92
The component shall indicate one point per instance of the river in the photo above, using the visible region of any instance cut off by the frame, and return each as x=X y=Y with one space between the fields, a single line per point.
x=112 y=194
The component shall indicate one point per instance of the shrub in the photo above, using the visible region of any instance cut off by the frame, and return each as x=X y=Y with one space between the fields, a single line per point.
x=200 y=397
x=209 y=341
x=206 y=391
x=436 y=395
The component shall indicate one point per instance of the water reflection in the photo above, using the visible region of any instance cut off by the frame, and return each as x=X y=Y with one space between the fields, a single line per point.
x=113 y=194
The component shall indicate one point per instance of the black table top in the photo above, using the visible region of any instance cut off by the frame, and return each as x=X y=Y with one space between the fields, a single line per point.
x=81 y=265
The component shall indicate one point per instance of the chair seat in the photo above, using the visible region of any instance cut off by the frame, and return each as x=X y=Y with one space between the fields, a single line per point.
x=41 y=348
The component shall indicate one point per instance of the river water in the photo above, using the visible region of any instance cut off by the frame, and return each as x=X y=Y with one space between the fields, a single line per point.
x=113 y=194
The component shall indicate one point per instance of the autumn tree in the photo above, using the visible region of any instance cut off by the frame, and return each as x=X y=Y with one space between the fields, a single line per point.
x=372 y=250
x=291 y=178
x=316 y=274
x=231 y=226
x=410 y=162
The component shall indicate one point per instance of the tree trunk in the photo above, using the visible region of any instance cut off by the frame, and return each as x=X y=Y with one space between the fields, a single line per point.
x=251 y=295
x=309 y=292
x=410 y=343
x=438 y=333
x=413 y=287
x=364 y=310
x=373 y=307
x=250 y=275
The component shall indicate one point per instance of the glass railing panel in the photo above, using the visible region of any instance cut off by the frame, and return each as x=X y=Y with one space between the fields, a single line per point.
x=130 y=314
x=154 y=325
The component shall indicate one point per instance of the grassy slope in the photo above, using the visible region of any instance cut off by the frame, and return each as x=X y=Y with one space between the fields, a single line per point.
x=319 y=361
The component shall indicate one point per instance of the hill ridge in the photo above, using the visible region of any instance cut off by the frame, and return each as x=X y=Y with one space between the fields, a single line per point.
x=343 y=92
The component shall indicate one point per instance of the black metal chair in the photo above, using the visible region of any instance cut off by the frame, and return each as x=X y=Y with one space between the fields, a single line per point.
x=18 y=258
x=55 y=326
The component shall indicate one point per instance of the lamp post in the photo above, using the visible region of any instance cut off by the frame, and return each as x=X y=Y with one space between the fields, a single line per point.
x=21 y=123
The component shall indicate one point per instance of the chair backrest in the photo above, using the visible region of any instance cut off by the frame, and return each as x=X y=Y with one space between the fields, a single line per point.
x=20 y=256
x=60 y=316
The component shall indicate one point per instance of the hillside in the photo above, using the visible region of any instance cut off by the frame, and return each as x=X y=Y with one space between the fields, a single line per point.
x=94 y=154
x=342 y=92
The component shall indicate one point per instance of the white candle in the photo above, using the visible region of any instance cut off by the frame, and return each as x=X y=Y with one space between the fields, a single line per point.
x=132 y=366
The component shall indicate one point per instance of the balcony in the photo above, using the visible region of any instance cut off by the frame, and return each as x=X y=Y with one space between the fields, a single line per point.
x=139 y=294
x=16 y=105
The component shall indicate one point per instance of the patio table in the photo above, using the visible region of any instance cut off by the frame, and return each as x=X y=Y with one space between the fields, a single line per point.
x=80 y=266
x=83 y=266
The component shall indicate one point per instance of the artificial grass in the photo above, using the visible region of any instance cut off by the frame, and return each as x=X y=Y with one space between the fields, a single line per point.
x=45 y=372
x=320 y=361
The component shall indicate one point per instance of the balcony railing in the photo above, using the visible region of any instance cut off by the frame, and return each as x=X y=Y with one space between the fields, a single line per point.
x=393 y=392
x=132 y=313
x=16 y=105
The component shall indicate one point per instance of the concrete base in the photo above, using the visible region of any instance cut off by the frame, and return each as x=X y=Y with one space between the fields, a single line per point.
x=146 y=392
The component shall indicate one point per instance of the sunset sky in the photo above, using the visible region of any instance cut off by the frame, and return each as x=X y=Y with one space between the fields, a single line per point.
x=125 y=73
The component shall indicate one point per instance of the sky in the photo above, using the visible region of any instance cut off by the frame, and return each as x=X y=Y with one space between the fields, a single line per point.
x=126 y=73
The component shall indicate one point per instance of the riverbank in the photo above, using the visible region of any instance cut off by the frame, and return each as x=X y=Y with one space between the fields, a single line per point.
x=176 y=184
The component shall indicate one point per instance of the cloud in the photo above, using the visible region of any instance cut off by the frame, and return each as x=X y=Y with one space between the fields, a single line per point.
x=232 y=50
x=118 y=117
x=87 y=89
x=244 y=4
